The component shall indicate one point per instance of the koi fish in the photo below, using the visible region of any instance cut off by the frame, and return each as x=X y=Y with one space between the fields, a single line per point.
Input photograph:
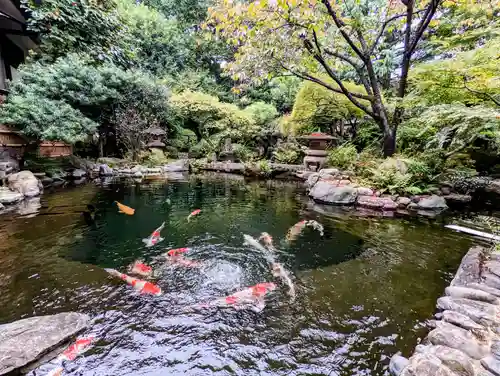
x=71 y=353
x=251 y=296
x=297 y=229
x=143 y=287
x=254 y=243
x=193 y=213
x=279 y=271
x=141 y=269
x=125 y=209
x=154 y=238
x=174 y=256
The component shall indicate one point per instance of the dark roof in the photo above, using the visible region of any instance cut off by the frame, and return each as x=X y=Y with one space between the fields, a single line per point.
x=156 y=144
x=155 y=131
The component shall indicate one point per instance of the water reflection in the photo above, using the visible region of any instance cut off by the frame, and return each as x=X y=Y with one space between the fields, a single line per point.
x=363 y=290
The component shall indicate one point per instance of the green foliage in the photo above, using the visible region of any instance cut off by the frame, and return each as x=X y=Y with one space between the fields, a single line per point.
x=206 y=116
x=171 y=152
x=86 y=26
x=187 y=12
x=470 y=77
x=452 y=128
x=317 y=108
x=46 y=119
x=95 y=93
x=261 y=113
x=264 y=168
x=202 y=149
x=288 y=153
x=243 y=153
x=344 y=156
x=184 y=140
x=156 y=44
x=280 y=91
x=153 y=158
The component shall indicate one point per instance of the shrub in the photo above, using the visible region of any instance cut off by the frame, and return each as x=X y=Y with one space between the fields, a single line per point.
x=171 y=151
x=261 y=113
x=288 y=153
x=243 y=153
x=201 y=150
x=184 y=140
x=153 y=158
x=343 y=156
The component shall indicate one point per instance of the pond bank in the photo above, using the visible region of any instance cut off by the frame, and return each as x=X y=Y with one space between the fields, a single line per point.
x=465 y=340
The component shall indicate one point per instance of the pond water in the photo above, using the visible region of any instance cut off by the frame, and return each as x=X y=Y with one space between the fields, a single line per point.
x=364 y=289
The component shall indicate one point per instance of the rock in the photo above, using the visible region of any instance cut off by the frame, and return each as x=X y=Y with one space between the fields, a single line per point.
x=329 y=171
x=312 y=179
x=397 y=364
x=380 y=203
x=457 y=199
x=495 y=349
x=462 y=321
x=137 y=174
x=493 y=266
x=432 y=203
x=483 y=287
x=105 y=170
x=344 y=182
x=25 y=183
x=469 y=270
x=177 y=166
x=412 y=206
x=457 y=338
x=137 y=168
x=23 y=342
x=155 y=170
x=39 y=175
x=469 y=293
x=492 y=365
x=493 y=187
x=491 y=280
x=425 y=364
x=9 y=197
x=78 y=173
x=325 y=192
x=2 y=207
x=29 y=207
x=474 y=313
x=363 y=191
x=455 y=360
x=403 y=202
x=445 y=190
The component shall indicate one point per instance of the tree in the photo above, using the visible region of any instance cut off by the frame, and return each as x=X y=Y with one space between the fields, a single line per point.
x=312 y=37
x=317 y=108
x=84 y=26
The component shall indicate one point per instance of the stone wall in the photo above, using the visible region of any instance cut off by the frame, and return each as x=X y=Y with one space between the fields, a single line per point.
x=465 y=340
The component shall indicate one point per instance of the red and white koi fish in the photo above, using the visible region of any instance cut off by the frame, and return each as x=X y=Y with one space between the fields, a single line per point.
x=174 y=256
x=297 y=229
x=144 y=287
x=193 y=213
x=252 y=297
x=140 y=268
x=71 y=353
x=154 y=238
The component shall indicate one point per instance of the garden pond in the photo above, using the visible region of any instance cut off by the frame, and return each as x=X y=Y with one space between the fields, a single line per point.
x=364 y=289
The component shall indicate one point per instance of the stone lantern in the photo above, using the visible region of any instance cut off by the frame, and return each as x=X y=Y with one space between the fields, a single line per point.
x=316 y=153
x=155 y=134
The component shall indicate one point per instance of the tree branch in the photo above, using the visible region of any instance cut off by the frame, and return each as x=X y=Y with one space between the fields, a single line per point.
x=487 y=95
x=424 y=22
x=340 y=25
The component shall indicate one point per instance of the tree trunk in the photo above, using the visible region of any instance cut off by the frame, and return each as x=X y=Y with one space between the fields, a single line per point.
x=389 y=144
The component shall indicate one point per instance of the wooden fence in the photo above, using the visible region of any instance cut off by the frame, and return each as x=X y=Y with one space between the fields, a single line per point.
x=54 y=149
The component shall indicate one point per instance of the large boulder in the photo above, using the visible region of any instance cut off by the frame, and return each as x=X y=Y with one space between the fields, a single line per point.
x=23 y=342
x=9 y=197
x=312 y=179
x=105 y=170
x=78 y=173
x=326 y=192
x=25 y=183
x=493 y=187
x=432 y=203
x=177 y=166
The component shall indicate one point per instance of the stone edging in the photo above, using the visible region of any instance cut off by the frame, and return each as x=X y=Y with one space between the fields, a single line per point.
x=465 y=340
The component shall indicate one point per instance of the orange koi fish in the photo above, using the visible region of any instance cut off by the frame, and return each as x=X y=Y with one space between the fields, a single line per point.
x=193 y=213
x=143 y=287
x=141 y=269
x=71 y=353
x=176 y=252
x=125 y=209
x=154 y=238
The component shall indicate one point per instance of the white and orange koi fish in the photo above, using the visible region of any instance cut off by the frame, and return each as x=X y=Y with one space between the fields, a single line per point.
x=175 y=256
x=144 y=287
x=139 y=268
x=297 y=229
x=71 y=353
x=154 y=238
x=251 y=297
x=193 y=213
x=279 y=271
